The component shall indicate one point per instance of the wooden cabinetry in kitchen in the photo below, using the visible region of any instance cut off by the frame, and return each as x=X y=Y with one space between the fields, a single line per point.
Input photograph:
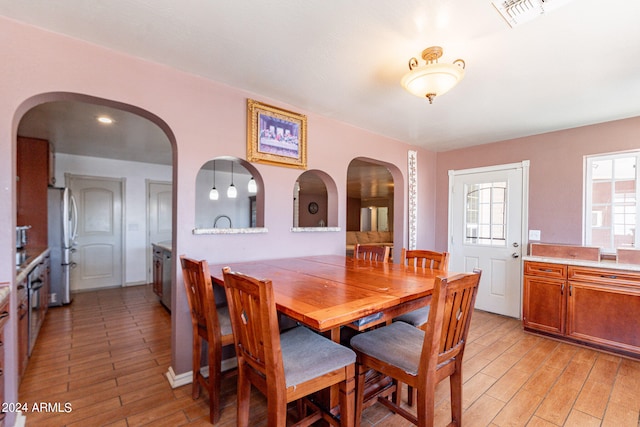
x=23 y=328
x=162 y=272
x=598 y=307
x=34 y=161
x=157 y=271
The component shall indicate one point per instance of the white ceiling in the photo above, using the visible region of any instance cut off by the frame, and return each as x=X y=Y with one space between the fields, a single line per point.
x=576 y=65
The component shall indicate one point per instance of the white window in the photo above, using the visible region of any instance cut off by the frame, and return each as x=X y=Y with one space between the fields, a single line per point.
x=485 y=214
x=611 y=201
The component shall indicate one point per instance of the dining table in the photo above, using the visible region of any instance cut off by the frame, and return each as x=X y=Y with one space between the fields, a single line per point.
x=329 y=292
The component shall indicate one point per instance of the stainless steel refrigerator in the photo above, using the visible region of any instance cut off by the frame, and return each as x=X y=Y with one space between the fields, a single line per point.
x=63 y=229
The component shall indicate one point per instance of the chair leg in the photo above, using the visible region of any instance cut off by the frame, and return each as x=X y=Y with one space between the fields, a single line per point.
x=243 y=397
x=195 y=363
x=347 y=393
x=361 y=372
x=214 y=382
x=426 y=404
x=455 y=382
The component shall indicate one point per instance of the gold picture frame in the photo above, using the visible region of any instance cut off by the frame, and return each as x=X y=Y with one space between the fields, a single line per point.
x=276 y=136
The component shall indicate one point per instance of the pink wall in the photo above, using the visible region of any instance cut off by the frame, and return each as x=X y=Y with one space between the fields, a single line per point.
x=203 y=120
x=555 y=175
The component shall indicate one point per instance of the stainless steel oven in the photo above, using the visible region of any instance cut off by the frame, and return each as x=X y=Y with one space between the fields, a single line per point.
x=36 y=310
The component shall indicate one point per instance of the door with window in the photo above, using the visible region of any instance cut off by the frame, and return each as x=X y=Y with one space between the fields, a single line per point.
x=486 y=211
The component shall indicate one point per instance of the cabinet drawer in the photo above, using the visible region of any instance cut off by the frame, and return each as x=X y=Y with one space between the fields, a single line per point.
x=543 y=269
x=604 y=276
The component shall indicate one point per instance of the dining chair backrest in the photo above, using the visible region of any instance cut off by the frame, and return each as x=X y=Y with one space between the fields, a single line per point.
x=425 y=259
x=197 y=283
x=210 y=324
x=285 y=367
x=452 y=306
x=254 y=319
x=372 y=252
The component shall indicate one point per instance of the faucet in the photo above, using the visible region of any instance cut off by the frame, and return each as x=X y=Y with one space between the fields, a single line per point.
x=215 y=221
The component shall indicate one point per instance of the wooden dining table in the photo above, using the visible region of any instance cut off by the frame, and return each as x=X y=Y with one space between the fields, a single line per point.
x=327 y=292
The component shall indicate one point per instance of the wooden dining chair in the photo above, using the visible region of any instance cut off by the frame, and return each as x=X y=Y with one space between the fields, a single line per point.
x=419 y=258
x=420 y=358
x=211 y=324
x=284 y=367
x=372 y=252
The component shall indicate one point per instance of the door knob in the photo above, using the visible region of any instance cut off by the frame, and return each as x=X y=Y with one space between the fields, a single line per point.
x=515 y=255
x=515 y=244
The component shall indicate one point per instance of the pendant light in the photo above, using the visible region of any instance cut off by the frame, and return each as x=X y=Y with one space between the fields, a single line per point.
x=232 y=191
x=213 y=194
x=252 y=187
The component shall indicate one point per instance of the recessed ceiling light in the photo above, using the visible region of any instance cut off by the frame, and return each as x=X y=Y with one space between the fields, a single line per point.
x=106 y=120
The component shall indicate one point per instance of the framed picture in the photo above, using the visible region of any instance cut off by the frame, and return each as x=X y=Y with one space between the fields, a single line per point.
x=276 y=136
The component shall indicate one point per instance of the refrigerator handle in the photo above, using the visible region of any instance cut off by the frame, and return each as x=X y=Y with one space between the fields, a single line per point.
x=74 y=221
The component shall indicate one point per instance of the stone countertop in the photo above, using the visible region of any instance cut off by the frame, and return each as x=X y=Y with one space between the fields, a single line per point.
x=4 y=292
x=33 y=257
x=166 y=245
x=582 y=263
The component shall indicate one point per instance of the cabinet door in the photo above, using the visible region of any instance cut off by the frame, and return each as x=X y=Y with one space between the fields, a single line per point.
x=157 y=272
x=604 y=315
x=544 y=305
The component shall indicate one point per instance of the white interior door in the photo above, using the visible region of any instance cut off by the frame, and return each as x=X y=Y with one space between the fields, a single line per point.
x=98 y=259
x=159 y=208
x=487 y=208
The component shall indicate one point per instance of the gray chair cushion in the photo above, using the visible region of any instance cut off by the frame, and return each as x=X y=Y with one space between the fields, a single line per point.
x=225 y=320
x=308 y=355
x=416 y=317
x=398 y=344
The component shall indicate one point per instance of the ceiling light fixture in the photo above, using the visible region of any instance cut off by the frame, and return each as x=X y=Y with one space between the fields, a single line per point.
x=432 y=79
x=213 y=194
x=232 y=191
x=105 y=120
x=252 y=187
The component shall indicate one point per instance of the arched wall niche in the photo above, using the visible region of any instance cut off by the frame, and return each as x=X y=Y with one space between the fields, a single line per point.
x=376 y=192
x=315 y=204
x=243 y=213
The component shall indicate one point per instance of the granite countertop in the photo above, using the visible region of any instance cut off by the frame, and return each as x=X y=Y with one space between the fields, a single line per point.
x=166 y=245
x=32 y=257
x=4 y=292
x=577 y=262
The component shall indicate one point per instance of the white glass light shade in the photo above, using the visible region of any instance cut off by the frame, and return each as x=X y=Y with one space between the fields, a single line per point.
x=436 y=79
x=232 y=192
x=213 y=194
x=252 y=187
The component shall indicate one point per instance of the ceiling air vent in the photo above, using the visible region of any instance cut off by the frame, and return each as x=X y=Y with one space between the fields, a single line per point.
x=517 y=12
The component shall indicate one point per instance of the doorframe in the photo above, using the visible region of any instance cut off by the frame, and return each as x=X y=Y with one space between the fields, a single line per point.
x=149 y=260
x=123 y=235
x=524 y=226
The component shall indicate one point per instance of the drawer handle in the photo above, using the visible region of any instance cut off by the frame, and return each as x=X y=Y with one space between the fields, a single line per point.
x=612 y=276
x=546 y=270
x=4 y=314
x=562 y=289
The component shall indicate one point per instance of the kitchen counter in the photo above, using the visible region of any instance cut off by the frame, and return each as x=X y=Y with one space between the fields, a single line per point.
x=4 y=292
x=33 y=256
x=583 y=263
x=166 y=245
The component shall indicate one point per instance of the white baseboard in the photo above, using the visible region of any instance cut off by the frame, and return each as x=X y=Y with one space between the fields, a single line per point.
x=21 y=420
x=176 y=380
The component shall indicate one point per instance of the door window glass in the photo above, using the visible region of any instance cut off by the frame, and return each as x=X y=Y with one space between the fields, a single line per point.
x=485 y=213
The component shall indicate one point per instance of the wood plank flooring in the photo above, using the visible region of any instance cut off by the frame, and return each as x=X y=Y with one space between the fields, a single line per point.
x=105 y=355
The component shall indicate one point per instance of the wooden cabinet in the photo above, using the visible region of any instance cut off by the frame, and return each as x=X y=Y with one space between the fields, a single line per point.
x=544 y=305
x=34 y=176
x=157 y=270
x=598 y=307
x=603 y=308
x=23 y=328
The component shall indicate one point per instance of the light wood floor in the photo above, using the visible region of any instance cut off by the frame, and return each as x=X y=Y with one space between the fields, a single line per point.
x=106 y=355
